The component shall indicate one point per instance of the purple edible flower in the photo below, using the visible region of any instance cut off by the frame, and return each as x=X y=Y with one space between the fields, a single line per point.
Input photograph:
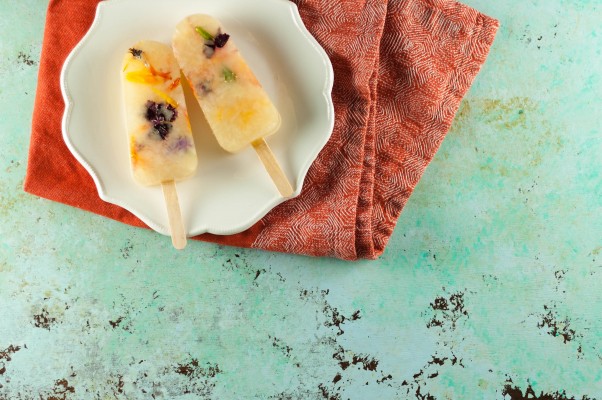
x=181 y=144
x=213 y=43
x=158 y=112
x=221 y=39
x=162 y=129
x=204 y=87
x=160 y=115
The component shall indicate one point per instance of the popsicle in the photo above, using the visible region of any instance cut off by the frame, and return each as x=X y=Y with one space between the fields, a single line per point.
x=236 y=106
x=160 y=139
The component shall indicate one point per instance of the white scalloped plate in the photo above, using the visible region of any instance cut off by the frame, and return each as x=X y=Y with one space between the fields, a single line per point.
x=230 y=192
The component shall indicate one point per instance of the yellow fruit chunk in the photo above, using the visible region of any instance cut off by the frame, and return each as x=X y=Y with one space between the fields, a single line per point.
x=143 y=76
x=166 y=97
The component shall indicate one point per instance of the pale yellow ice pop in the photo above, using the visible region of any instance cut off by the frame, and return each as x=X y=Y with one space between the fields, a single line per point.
x=160 y=140
x=236 y=106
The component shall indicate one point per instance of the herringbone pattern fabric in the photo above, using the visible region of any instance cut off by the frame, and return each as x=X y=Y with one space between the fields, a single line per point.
x=401 y=70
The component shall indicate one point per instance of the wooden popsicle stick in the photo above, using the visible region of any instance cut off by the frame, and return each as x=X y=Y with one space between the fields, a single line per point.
x=176 y=225
x=271 y=165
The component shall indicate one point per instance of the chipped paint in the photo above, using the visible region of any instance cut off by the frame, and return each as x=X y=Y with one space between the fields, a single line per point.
x=25 y=59
x=515 y=393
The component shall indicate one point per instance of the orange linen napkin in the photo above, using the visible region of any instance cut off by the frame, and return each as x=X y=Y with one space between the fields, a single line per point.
x=401 y=69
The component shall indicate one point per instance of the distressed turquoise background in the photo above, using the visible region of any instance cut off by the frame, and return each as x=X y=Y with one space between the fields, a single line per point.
x=490 y=287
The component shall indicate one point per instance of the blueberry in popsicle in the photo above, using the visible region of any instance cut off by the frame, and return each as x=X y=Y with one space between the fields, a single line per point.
x=236 y=106
x=160 y=139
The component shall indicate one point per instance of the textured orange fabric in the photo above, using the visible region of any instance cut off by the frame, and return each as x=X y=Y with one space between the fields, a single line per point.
x=401 y=69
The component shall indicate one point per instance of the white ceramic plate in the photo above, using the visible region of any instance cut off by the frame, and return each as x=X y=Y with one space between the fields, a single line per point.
x=229 y=192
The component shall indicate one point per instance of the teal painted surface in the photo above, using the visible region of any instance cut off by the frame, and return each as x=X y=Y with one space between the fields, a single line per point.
x=490 y=288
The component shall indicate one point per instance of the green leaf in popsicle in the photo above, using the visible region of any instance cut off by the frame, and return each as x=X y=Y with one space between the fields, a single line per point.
x=206 y=35
x=229 y=75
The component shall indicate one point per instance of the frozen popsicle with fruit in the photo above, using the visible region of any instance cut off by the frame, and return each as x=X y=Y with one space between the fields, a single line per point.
x=236 y=106
x=160 y=139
